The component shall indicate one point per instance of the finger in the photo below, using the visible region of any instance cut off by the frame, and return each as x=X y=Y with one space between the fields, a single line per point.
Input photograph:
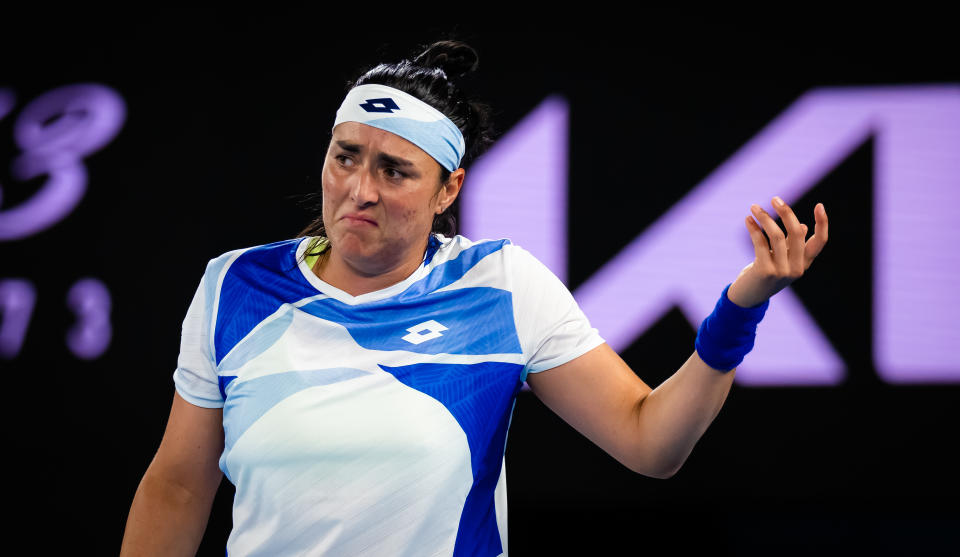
x=819 y=238
x=794 y=235
x=760 y=247
x=804 y=231
x=778 y=242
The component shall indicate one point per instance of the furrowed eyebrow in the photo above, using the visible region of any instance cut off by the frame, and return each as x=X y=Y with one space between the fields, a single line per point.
x=382 y=158
x=347 y=146
x=394 y=161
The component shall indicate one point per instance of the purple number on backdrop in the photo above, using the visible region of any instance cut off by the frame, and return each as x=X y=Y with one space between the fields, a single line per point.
x=55 y=131
x=917 y=132
x=7 y=100
x=17 y=299
x=90 y=335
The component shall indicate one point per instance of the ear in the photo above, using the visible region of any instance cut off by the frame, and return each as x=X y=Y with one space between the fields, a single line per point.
x=450 y=190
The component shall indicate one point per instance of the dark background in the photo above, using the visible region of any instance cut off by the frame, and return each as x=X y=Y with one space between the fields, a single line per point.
x=227 y=118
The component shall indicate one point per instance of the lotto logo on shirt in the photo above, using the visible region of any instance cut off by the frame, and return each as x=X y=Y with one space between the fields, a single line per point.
x=423 y=332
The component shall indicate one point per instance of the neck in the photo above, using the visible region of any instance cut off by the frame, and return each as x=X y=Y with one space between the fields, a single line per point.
x=356 y=279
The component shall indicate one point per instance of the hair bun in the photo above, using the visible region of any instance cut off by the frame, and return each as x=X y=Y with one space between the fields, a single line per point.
x=453 y=57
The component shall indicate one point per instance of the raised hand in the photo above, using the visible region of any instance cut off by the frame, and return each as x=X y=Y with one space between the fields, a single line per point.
x=784 y=259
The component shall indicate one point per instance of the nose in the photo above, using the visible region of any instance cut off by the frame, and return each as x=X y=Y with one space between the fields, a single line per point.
x=364 y=191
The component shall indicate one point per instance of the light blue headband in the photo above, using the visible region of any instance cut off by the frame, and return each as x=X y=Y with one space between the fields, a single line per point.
x=397 y=112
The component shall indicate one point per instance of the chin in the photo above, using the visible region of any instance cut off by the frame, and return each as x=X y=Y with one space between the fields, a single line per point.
x=354 y=244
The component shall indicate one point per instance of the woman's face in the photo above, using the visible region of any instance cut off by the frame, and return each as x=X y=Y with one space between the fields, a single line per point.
x=380 y=195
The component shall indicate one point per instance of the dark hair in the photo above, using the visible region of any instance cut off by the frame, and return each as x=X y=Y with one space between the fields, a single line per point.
x=429 y=77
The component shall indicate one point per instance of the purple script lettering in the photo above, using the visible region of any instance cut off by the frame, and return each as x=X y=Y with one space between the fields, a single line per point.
x=55 y=131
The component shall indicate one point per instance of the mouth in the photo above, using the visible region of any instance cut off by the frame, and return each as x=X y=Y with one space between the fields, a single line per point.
x=359 y=219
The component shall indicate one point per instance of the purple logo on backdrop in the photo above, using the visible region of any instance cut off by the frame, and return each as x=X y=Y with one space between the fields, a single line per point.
x=917 y=139
x=55 y=131
x=525 y=168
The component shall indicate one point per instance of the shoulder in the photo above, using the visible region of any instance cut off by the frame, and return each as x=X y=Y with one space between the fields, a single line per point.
x=460 y=242
x=460 y=251
x=261 y=256
x=458 y=246
x=489 y=262
x=515 y=257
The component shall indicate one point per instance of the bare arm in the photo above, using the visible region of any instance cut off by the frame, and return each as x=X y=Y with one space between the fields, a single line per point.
x=652 y=432
x=172 y=504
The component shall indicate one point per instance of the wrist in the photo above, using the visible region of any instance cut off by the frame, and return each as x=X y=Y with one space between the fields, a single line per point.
x=727 y=334
x=736 y=297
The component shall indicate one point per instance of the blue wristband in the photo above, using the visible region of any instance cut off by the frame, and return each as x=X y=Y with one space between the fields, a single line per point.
x=727 y=334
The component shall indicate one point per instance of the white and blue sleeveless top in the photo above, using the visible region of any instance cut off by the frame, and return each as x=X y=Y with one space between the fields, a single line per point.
x=372 y=424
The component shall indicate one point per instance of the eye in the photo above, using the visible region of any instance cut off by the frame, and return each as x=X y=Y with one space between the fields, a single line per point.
x=394 y=174
x=345 y=160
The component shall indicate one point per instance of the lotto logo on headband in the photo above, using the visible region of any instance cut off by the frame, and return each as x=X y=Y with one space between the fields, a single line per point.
x=385 y=104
